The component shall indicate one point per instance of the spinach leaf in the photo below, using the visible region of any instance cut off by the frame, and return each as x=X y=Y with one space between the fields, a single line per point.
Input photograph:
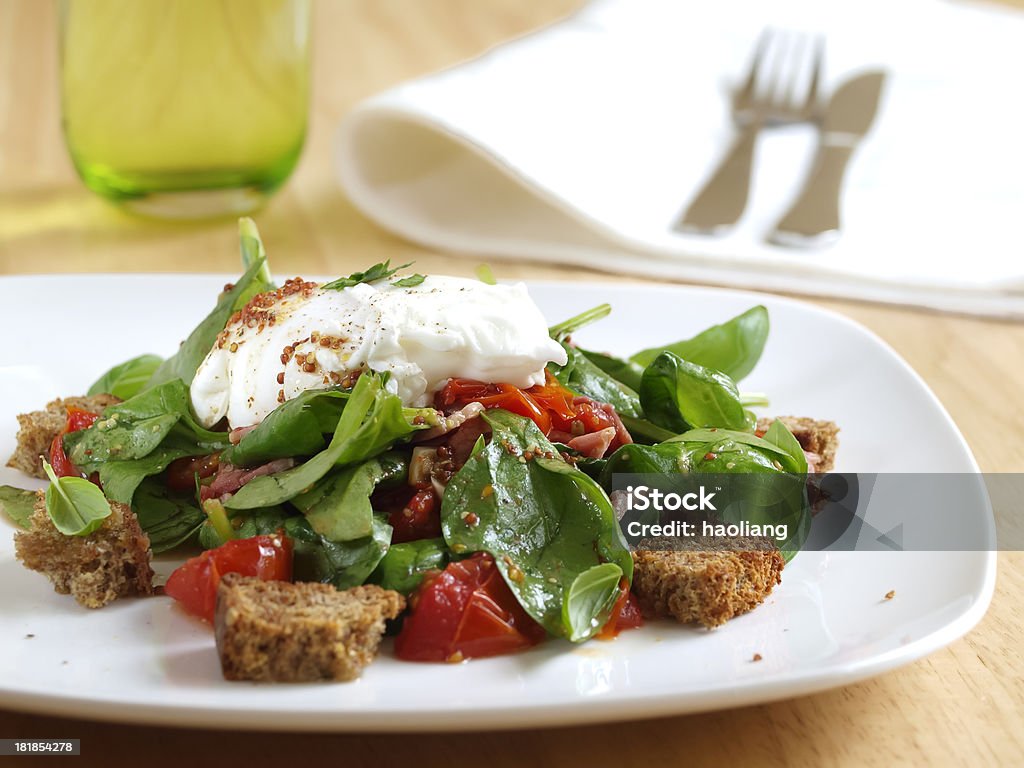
x=371 y=275
x=677 y=394
x=252 y=251
x=294 y=428
x=373 y=420
x=183 y=363
x=485 y=274
x=624 y=371
x=169 y=519
x=343 y=564
x=584 y=378
x=18 y=504
x=778 y=434
x=544 y=521
x=76 y=506
x=338 y=507
x=121 y=478
x=405 y=564
x=590 y=600
x=722 y=440
x=644 y=431
x=564 y=329
x=733 y=347
x=409 y=282
x=132 y=429
x=127 y=379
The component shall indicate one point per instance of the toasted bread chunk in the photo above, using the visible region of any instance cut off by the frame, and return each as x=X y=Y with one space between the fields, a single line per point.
x=276 y=631
x=37 y=430
x=111 y=562
x=820 y=438
x=704 y=581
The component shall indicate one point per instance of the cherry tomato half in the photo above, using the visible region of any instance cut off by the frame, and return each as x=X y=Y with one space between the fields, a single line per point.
x=78 y=419
x=194 y=584
x=420 y=518
x=465 y=611
x=625 y=614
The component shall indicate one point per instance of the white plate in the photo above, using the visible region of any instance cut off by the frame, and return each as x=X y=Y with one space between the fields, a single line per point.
x=826 y=625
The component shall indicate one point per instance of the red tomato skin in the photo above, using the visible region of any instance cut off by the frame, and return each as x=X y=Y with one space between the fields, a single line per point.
x=625 y=614
x=194 y=584
x=181 y=473
x=77 y=419
x=466 y=611
x=420 y=518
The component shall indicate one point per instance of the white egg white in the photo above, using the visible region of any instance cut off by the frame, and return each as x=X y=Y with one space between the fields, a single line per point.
x=306 y=337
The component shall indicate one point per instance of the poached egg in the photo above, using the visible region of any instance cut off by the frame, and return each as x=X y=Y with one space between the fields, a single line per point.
x=303 y=336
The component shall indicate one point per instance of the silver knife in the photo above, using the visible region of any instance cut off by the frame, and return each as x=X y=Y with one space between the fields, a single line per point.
x=814 y=218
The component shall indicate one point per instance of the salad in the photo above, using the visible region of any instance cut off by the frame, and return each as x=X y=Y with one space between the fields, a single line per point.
x=424 y=434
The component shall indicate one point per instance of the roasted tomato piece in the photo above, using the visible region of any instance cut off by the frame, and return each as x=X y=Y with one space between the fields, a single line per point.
x=78 y=419
x=465 y=611
x=181 y=473
x=194 y=584
x=420 y=518
x=625 y=614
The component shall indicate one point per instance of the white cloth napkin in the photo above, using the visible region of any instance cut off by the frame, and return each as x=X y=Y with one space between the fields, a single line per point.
x=583 y=141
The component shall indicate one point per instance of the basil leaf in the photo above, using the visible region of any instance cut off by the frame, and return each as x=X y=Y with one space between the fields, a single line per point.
x=183 y=363
x=76 y=506
x=677 y=394
x=590 y=600
x=405 y=564
x=544 y=521
x=127 y=379
x=373 y=420
x=409 y=282
x=778 y=434
x=18 y=504
x=169 y=519
x=732 y=348
x=563 y=330
x=377 y=272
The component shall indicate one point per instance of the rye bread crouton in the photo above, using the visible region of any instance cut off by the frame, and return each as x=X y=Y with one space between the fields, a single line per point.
x=705 y=582
x=111 y=562
x=820 y=438
x=276 y=631
x=37 y=430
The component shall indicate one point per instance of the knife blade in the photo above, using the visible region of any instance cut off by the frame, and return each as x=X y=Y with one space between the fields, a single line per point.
x=814 y=219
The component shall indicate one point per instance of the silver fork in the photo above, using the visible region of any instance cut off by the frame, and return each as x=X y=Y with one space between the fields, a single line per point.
x=773 y=94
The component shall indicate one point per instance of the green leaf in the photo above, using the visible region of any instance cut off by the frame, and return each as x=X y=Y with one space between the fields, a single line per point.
x=677 y=394
x=485 y=275
x=344 y=564
x=132 y=429
x=624 y=371
x=409 y=282
x=563 y=330
x=584 y=378
x=183 y=363
x=120 y=479
x=295 y=428
x=373 y=274
x=404 y=566
x=716 y=440
x=338 y=507
x=590 y=600
x=169 y=519
x=732 y=348
x=544 y=521
x=76 y=506
x=778 y=434
x=127 y=379
x=373 y=421
x=18 y=504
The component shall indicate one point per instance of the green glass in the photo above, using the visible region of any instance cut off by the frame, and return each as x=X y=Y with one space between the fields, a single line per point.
x=185 y=108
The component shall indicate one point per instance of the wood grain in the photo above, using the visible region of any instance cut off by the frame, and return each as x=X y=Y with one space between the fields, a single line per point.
x=962 y=704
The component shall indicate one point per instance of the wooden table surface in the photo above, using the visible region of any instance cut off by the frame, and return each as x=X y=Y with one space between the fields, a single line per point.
x=962 y=704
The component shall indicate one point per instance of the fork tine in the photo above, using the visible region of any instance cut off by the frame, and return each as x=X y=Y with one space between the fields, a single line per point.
x=789 y=81
x=746 y=93
x=819 y=57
